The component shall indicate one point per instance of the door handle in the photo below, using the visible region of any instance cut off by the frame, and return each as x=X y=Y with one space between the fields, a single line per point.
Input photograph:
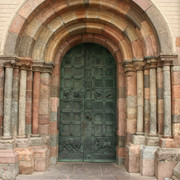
x=88 y=117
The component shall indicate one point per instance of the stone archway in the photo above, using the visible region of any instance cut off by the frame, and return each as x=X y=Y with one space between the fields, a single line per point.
x=40 y=38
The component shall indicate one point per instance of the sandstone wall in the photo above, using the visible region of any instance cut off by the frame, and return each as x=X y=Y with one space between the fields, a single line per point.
x=169 y=8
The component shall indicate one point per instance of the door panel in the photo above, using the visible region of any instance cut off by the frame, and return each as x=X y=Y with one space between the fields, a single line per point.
x=88 y=105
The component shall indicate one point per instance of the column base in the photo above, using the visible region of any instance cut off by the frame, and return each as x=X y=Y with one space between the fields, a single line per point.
x=21 y=137
x=22 y=143
x=132 y=161
x=139 y=139
x=165 y=161
x=7 y=137
x=167 y=143
x=7 y=144
x=26 y=160
x=9 y=164
x=41 y=158
x=36 y=141
x=34 y=135
x=147 y=160
x=152 y=141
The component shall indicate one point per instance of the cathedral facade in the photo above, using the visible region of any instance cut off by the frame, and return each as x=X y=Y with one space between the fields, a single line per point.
x=90 y=81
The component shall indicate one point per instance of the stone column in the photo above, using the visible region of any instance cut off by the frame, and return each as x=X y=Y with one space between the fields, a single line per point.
x=24 y=63
x=153 y=103
x=7 y=100
x=29 y=103
x=153 y=140
x=160 y=100
x=131 y=100
x=146 y=100
x=1 y=97
x=140 y=96
x=167 y=100
x=15 y=101
x=22 y=103
x=36 y=94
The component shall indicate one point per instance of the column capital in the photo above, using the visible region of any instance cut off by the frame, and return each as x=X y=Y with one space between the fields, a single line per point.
x=24 y=63
x=7 y=61
x=152 y=62
x=139 y=65
x=129 y=67
x=43 y=67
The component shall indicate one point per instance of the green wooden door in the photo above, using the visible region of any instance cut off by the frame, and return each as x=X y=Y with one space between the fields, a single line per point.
x=88 y=105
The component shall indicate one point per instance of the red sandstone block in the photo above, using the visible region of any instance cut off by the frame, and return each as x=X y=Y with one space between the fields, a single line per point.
x=46 y=14
x=99 y=39
x=112 y=47
x=41 y=153
x=176 y=91
x=16 y=25
x=120 y=152
x=177 y=140
x=137 y=49
x=54 y=151
x=160 y=123
x=175 y=106
x=29 y=7
x=131 y=84
x=80 y=13
x=58 y=6
x=44 y=129
x=53 y=128
x=8 y=157
x=77 y=39
x=144 y=4
x=29 y=85
x=118 y=58
x=147 y=167
x=26 y=167
x=167 y=143
x=132 y=161
x=121 y=105
x=122 y=7
x=87 y=37
x=164 y=169
x=41 y=165
x=176 y=78
x=131 y=125
x=55 y=80
x=147 y=93
x=25 y=154
x=43 y=119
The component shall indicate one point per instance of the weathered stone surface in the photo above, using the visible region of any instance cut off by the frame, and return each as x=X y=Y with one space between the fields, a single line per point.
x=7 y=144
x=165 y=161
x=167 y=100
x=153 y=102
x=36 y=141
x=132 y=162
x=121 y=141
x=176 y=171
x=7 y=102
x=139 y=139
x=152 y=141
x=26 y=160
x=53 y=140
x=22 y=103
x=41 y=159
x=9 y=171
x=11 y=44
x=26 y=46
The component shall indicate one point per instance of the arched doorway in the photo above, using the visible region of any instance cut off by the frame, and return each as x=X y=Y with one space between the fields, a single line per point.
x=88 y=105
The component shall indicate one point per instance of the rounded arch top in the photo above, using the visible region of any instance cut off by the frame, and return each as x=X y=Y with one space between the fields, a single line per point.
x=138 y=25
